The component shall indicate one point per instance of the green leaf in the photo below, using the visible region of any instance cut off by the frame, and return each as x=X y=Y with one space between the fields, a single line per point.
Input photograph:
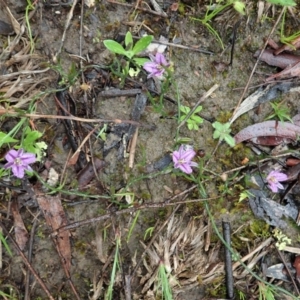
x=190 y=126
x=239 y=7
x=216 y=134
x=128 y=41
x=217 y=125
x=142 y=44
x=31 y=136
x=184 y=109
x=229 y=140
x=283 y=2
x=6 y=139
x=197 y=119
x=114 y=47
x=140 y=61
x=129 y=54
x=198 y=109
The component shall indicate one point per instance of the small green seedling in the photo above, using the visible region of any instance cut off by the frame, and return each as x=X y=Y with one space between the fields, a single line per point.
x=287 y=40
x=66 y=78
x=266 y=292
x=194 y=121
x=244 y=195
x=213 y=10
x=3 y=241
x=130 y=51
x=222 y=132
x=115 y=268
x=163 y=282
x=30 y=143
x=282 y=239
x=281 y=111
x=149 y=231
x=102 y=133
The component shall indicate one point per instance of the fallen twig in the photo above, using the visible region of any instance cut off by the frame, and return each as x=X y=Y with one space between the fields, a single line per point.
x=256 y=63
x=228 y=260
x=131 y=210
x=67 y=24
x=153 y=12
x=27 y=263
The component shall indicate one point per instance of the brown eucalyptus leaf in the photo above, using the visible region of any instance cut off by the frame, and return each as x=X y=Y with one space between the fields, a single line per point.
x=55 y=217
x=268 y=129
x=270 y=140
x=21 y=233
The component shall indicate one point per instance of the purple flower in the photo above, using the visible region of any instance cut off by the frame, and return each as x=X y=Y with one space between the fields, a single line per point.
x=19 y=162
x=156 y=66
x=183 y=158
x=274 y=179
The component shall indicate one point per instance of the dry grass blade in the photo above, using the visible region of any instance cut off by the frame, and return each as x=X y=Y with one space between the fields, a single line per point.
x=181 y=248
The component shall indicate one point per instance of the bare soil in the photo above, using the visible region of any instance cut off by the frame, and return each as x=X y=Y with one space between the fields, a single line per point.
x=183 y=239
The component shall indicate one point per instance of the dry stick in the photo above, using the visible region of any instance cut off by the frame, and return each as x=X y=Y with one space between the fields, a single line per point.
x=133 y=148
x=266 y=243
x=27 y=278
x=153 y=12
x=206 y=95
x=191 y=48
x=288 y=270
x=27 y=263
x=71 y=117
x=183 y=47
x=228 y=260
x=69 y=18
x=25 y=72
x=83 y=142
x=130 y=210
x=257 y=61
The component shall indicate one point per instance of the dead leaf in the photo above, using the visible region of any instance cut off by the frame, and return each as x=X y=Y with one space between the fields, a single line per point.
x=292 y=71
x=272 y=129
x=281 y=61
x=55 y=217
x=296 y=265
x=87 y=173
x=294 y=45
x=21 y=232
x=73 y=160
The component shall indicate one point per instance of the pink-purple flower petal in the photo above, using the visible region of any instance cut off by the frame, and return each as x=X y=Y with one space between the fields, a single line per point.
x=160 y=59
x=182 y=159
x=156 y=67
x=11 y=155
x=274 y=179
x=18 y=162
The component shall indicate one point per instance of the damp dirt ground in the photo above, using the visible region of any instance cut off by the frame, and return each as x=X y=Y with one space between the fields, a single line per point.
x=181 y=236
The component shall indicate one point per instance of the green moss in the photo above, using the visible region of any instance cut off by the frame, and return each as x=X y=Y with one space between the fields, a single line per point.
x=112 y=26
x=80 y=246
x=224 y=116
